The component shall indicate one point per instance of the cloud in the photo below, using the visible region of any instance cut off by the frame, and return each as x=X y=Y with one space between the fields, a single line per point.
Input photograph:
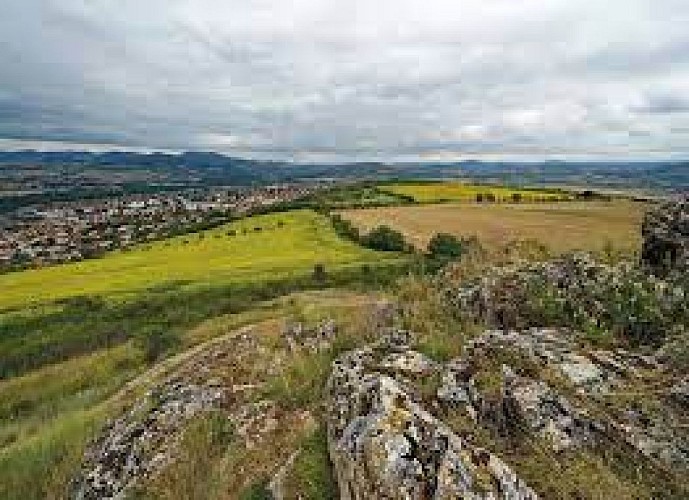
x=356 y=79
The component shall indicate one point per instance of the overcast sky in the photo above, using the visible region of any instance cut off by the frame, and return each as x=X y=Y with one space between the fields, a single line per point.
x=353 y=79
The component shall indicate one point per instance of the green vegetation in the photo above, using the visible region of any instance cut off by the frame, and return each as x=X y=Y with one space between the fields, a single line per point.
x=72 y=336
x=48 y=415
x=206 y=439
x=36 y=337
x=384 y=239
x=445 y=246
x=286 y=244
x=357 y=195
x=81 y=341
x=312 y=476
x=435 y=192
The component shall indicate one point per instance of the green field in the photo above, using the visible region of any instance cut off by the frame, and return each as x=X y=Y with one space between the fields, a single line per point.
x=250 y=250
x=434 y=192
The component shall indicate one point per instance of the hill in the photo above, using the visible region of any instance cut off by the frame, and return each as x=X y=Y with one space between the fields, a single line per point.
x=251 y=250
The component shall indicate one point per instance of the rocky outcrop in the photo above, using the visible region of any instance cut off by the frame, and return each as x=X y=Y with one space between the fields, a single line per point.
x=595 y=379
x=385 y=444
x=577 y=292
x=145 y=439
x=388 y=437
x=141 y=441
x=666 y=238
x=298 y=336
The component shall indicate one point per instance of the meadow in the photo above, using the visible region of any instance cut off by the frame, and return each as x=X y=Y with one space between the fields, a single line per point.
x=436 y=192
x=250 y=250
x=561 y=226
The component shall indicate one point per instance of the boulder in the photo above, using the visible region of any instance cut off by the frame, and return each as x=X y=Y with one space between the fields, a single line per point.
x=385 y=444
x=665 y=234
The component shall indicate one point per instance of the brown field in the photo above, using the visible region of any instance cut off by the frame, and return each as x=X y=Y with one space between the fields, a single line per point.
x=562 y=226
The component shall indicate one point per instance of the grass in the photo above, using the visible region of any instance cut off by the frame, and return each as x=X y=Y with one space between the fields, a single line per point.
x=29 y=402
x=163 y=289
x=49 y=414
x=41 y=466
x=311 y=477
x=204 y=441
x=434 y=192
x=562 y=226
x=251 y=250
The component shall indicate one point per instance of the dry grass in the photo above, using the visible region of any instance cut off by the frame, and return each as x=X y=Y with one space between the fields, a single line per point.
x=562 y=226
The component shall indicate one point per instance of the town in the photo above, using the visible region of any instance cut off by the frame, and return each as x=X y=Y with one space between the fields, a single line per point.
x=62 y=232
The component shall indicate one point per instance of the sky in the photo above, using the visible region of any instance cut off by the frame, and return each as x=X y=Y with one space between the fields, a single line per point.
x=353 y=79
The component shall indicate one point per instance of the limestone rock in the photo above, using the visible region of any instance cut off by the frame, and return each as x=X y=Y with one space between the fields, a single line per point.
x=665 y=234
x=384 y=444
x=140 y=441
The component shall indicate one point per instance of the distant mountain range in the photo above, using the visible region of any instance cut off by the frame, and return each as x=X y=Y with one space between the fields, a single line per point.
x=212 y=168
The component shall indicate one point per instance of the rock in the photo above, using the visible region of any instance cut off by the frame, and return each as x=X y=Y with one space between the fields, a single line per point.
x=457 y=388
x=140 y=442
x=575 y=291
x=680 y=392
x=384 y=444
x=408 y=362
x=665 y=234
x=544 y=412
x=581 y=371
x=297 y=336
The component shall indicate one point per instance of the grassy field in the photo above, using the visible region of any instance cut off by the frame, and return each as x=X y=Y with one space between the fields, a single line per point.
x=356 y=196
x=561 y=226
x=432 y=192
x=155 y=292
x=253 y=249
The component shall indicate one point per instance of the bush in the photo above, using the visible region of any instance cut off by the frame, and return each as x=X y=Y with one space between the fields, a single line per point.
x=574 y=292
x=319 y=274
x=444 y=245
x=156 y=343
x=385 y=239
x=345 y=229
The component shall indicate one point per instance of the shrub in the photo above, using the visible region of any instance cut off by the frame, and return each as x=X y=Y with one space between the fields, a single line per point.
x=578 y=293
x=319 y=274
x=444 y=245
x=156 y=343
x=385 y=239
x=344 y=228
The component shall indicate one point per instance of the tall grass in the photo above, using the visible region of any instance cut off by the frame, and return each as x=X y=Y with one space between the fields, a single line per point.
x=81 y=326
x=41 y=467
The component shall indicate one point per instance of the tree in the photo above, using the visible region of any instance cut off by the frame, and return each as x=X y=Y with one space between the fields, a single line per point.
x=444 y=245
x=319 y=274
x=385 y=239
